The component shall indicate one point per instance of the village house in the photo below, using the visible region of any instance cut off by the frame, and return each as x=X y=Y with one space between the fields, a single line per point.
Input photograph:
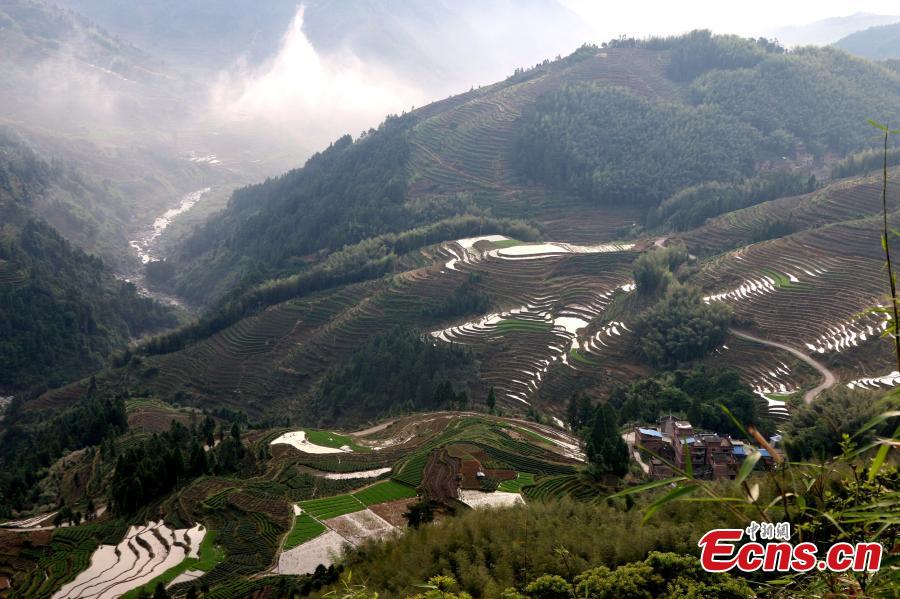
x=712 y=456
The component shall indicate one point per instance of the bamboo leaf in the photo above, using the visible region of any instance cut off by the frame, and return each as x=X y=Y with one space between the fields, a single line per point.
x=672 y=495
x=647 y=486
x=876 y=421
x=880 y=456
x=877 y=125
x=735 y=420
x=747 y=467
x=754 y=492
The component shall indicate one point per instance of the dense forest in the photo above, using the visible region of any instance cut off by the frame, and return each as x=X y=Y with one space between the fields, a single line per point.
x=748 y=103
x=395 y=372
x=154 y=467
x=818 y=430
x=694 y=394
x=681 y=327
x=649 y=149
x=691 y=206
x=62 y=312
x=466 y=299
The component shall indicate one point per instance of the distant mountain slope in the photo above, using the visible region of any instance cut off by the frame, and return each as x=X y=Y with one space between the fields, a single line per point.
x=62 y=312
x=110 y=119
x=829 y=31
x=720 y=109
x=197 y=33
x=61 y=71
x=878 y=43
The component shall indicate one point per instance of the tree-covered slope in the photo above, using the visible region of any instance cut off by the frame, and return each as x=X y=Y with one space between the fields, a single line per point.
x=61 y=310
x=749 y=106
x=345 y=194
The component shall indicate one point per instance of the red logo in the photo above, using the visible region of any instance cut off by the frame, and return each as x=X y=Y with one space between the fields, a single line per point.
x=721 y=551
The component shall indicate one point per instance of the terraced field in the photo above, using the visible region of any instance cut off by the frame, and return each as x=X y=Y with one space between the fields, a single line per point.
x=243 y=364
x=811 y=289
x=254 y=526
x=546 y=333
x=773 y=374
x=305 y=528
x=68 y=553
x=841 y=201
x=385 y=491
x=522 y=480
x=561 y=486
x=145 y=553
x=518 y=345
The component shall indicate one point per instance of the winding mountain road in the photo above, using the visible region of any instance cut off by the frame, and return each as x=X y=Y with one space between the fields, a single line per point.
x=828 y=377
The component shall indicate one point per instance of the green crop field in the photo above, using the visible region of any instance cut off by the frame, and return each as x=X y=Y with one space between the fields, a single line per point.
x=514 y=486
x=305 y=528
x=388 y=490
x=533 y=326
x=331 y=507
x=506 y=243
x=579 y=357
x=329 y=439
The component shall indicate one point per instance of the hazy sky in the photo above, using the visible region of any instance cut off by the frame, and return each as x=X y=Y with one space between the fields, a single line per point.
x=640 y=18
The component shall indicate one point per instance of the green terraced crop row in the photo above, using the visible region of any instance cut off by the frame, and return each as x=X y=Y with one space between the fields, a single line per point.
x=331 y=507
x=387 y=490
x=562 y=486
x=305 y=528
x=514 y=486
x=334 y=440
x=410 y=471
x=578 y=357
x=506 y=243
x=524 y=325
x=527 y=464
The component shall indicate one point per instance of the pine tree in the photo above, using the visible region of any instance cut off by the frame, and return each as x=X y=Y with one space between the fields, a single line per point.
x=606 y=450
x=197 y=459
x=579 y=411
x=491 y=400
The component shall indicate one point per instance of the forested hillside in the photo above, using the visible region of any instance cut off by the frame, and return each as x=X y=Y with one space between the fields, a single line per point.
x=62 y=312
x=689 y=115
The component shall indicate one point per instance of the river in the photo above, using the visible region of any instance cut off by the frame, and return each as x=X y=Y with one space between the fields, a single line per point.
x=145 y=247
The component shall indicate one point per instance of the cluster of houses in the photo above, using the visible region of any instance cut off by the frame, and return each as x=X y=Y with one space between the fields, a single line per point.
x=712 y=456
